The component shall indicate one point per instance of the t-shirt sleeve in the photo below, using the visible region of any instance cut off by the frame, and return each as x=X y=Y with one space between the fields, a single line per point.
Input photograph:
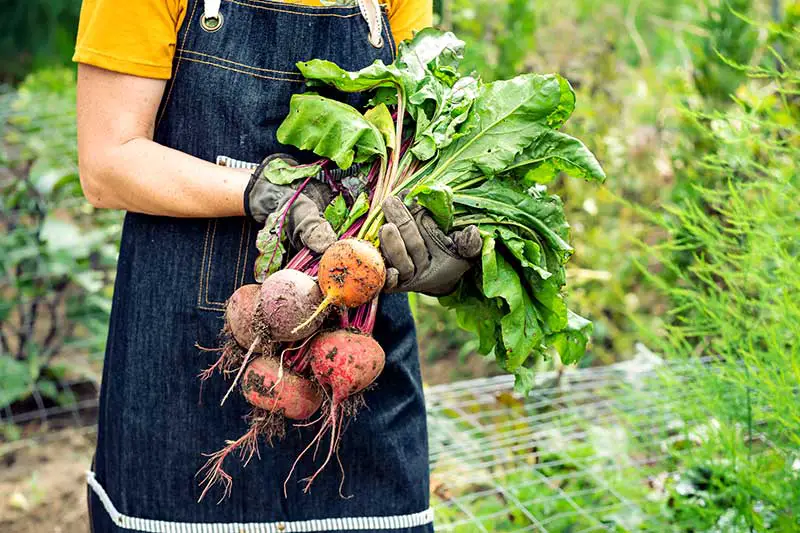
x=134 y=37
x=409 y=16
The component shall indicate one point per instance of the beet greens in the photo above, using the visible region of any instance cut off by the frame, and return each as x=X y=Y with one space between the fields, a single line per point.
x=471 y=153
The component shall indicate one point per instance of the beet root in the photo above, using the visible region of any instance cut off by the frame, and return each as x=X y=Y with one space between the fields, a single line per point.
x=269 y=386
x=351 y=273
x=240 y=312
x=230 y=359
x=237 y=336
x=287 y=302
x=263 y=423
x=345 y=363
x=276 y=394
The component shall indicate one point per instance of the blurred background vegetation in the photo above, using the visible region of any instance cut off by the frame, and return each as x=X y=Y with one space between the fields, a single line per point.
x=691 y=247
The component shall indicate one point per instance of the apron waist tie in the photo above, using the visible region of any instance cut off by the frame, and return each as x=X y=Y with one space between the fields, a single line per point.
x=366 y=523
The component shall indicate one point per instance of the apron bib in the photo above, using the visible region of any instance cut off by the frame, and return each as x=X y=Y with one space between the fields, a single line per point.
x=233 y=75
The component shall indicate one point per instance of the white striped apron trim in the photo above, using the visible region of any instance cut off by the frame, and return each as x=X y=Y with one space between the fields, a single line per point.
x=365 y=523
x=226 y=161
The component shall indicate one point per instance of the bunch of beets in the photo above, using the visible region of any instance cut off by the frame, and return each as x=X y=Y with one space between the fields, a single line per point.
x=298 y=342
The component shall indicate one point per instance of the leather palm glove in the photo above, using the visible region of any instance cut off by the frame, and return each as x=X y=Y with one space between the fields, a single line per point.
x=305 y=224
x=419 y=256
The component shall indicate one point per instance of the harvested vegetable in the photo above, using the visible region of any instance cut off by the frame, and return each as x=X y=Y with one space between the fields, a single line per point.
x=239 y=312
x=275 y=394
x=288 y=305
x=267 y=385
x=345 y=363
x=471 y=153
x=351 y=273
x=237 y=334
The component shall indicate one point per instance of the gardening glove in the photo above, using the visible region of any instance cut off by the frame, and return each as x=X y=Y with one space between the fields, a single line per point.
x=419 y=256
x=305 y=224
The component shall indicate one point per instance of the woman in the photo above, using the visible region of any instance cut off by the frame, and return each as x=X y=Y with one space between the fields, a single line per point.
x=165 y=89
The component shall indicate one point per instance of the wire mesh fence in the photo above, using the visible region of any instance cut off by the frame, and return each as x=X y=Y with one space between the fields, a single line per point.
x=582 y=453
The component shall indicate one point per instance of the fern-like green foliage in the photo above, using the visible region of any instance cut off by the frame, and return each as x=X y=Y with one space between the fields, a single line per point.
x=731 y=269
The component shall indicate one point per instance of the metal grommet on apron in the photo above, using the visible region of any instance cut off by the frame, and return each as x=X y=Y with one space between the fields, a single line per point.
x=212 y=24
x=211 y=20
x=175 y=274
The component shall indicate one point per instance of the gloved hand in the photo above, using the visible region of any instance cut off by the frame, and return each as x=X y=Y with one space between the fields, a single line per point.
x=419 y=256
x=305 y=224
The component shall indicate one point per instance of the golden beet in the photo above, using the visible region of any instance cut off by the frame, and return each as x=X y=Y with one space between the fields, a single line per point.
x=351 y=272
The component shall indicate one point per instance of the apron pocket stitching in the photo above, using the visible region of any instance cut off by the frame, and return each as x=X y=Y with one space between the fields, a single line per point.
x=246 y=231
x=295 y=73
x=211 y=267
x=183 y=58
x=239 y=257
x=208 y=262
x=203 y=265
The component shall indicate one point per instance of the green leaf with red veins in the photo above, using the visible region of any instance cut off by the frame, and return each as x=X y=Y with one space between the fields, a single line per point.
x=280 y=172
x=270 y=248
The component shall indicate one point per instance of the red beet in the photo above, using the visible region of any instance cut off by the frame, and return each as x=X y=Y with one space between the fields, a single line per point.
x=267 y=386
x=276 y=394
x=240 y=311
x=287 y=300
x=344 y=363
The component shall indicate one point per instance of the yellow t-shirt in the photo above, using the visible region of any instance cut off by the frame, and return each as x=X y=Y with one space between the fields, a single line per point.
x=138 y=37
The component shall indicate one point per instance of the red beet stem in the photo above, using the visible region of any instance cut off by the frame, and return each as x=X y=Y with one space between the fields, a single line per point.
x=366 y=316
x=286 y=208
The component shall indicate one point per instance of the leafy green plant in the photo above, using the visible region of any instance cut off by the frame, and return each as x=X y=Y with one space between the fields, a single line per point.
x=56 y=254
x=474 y=155
x=730 y=37
x=731 y=269
x=36 y=34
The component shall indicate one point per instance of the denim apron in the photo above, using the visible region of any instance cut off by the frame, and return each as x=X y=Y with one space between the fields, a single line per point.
x=229 y=91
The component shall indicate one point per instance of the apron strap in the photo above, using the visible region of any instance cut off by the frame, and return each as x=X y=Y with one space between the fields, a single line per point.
x=211 y=8
x=370 y=10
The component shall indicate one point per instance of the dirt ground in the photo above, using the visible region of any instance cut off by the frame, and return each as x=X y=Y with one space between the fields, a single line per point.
x=42 y=484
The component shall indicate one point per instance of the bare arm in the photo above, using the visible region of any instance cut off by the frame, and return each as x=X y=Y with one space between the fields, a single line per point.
x=121 y=167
